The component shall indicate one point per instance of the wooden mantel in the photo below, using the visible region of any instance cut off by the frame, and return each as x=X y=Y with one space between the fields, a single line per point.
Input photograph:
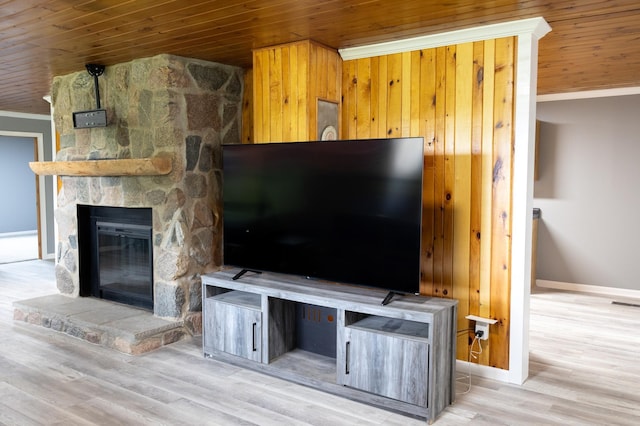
x=155 y=166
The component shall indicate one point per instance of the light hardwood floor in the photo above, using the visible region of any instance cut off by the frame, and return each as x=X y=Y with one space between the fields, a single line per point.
x=18 y=247
x=585 y=370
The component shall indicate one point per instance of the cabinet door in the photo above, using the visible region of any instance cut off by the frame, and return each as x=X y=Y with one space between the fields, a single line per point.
x=234 y=329
x=387 y=365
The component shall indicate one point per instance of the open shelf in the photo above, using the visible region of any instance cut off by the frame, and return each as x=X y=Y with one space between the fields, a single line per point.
x=395 y=326
x=300 y=362
x=239 y=298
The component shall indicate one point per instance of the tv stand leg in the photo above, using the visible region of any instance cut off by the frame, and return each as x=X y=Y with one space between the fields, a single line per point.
x=389 y=296
x=244 y=271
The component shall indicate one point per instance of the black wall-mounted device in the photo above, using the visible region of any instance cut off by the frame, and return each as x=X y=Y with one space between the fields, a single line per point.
x=91 y=118
x=98 y=116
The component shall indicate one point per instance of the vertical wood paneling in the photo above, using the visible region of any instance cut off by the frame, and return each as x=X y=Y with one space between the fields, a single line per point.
x=476 y=183
x=247 y=108
x=415 y=118
x=460 y=99
x=303 y=97
x=501 y=210
x=488 y=94
x=293 y=93
x=333 y=82
x=349 y=105
x=394 y=97
x=260 y=109
x=363 y=93
x=275 y=93
x=462 y=184
x=438 y=172
x=383 y=96
x=405 y=127
x=288 y=81
x=427 y=111
x=287 y=113
x=322 y=64
x=486 y=202
x=314 y=92
x=376 y=105
x=476 y=177
x=449 y=170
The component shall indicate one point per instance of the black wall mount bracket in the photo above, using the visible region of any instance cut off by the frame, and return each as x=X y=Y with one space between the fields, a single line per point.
x=97 y=117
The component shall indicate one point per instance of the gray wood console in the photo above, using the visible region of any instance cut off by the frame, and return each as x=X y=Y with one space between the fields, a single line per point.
x=400 y=356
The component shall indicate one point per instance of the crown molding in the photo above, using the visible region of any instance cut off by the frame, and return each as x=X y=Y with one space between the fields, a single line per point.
x=589 y=94
x=25 y=115
x=536 y=27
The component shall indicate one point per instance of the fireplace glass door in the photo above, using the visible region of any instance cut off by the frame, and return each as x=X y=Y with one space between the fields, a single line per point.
x=125 y=263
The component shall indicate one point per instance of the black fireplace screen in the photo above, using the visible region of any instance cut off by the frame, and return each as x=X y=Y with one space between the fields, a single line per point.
x=124 y=262
x=116 y=254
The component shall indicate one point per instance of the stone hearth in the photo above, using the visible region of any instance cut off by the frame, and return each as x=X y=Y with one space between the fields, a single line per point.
x=165 y=105
x=124 y=328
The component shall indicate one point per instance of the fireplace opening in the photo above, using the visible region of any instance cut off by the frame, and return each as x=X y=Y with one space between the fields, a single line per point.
x=116 y=254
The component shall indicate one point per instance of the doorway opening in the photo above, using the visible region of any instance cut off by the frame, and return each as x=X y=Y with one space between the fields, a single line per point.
x=19 y=216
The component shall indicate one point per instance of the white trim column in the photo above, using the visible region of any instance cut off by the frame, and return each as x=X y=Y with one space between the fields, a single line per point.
x=522 y=208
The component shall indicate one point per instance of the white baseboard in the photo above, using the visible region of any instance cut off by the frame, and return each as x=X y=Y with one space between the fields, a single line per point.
x=19 y=234
x=584 y=288
x=463 y=367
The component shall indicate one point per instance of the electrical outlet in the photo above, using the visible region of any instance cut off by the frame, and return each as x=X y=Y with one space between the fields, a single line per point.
x=483 y=328
x=482 y=325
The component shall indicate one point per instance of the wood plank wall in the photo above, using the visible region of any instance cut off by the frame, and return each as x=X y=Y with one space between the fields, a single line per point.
x=247 y=108
x=460 y=98
x=288 y=81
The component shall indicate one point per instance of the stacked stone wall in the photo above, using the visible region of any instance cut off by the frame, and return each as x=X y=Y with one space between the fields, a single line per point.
x=164 y=105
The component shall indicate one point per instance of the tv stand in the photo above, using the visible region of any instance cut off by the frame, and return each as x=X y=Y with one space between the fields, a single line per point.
x=244 y=271
x=389 y=296
x=399 y=357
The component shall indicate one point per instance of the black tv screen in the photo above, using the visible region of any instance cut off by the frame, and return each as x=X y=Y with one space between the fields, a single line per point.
x=345 y=211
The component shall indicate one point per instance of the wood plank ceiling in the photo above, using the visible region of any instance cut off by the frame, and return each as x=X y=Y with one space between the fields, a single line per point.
x=594 y=44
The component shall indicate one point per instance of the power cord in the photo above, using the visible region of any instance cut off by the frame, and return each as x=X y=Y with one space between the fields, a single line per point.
x=472 y=354
x=476 y=354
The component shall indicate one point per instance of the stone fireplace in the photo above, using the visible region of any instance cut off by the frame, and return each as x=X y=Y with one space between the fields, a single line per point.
x=167 y=106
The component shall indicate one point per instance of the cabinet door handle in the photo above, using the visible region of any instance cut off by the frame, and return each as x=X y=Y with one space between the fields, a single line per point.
x=253 y=344
x=346 y=357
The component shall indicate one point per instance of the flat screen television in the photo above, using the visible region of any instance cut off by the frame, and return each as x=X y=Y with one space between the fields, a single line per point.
x=345 y=211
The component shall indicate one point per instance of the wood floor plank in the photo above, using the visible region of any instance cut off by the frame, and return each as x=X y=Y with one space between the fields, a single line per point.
x=31 y=409
x=584 y=370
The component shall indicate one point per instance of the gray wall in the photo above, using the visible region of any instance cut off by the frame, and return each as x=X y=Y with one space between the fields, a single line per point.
x=18 y=211
x=589 y=192
x=35 y=125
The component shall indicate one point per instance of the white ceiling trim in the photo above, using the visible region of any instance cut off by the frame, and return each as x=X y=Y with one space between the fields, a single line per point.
x=24 y=115
x=537 y=27
x=589 y=94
